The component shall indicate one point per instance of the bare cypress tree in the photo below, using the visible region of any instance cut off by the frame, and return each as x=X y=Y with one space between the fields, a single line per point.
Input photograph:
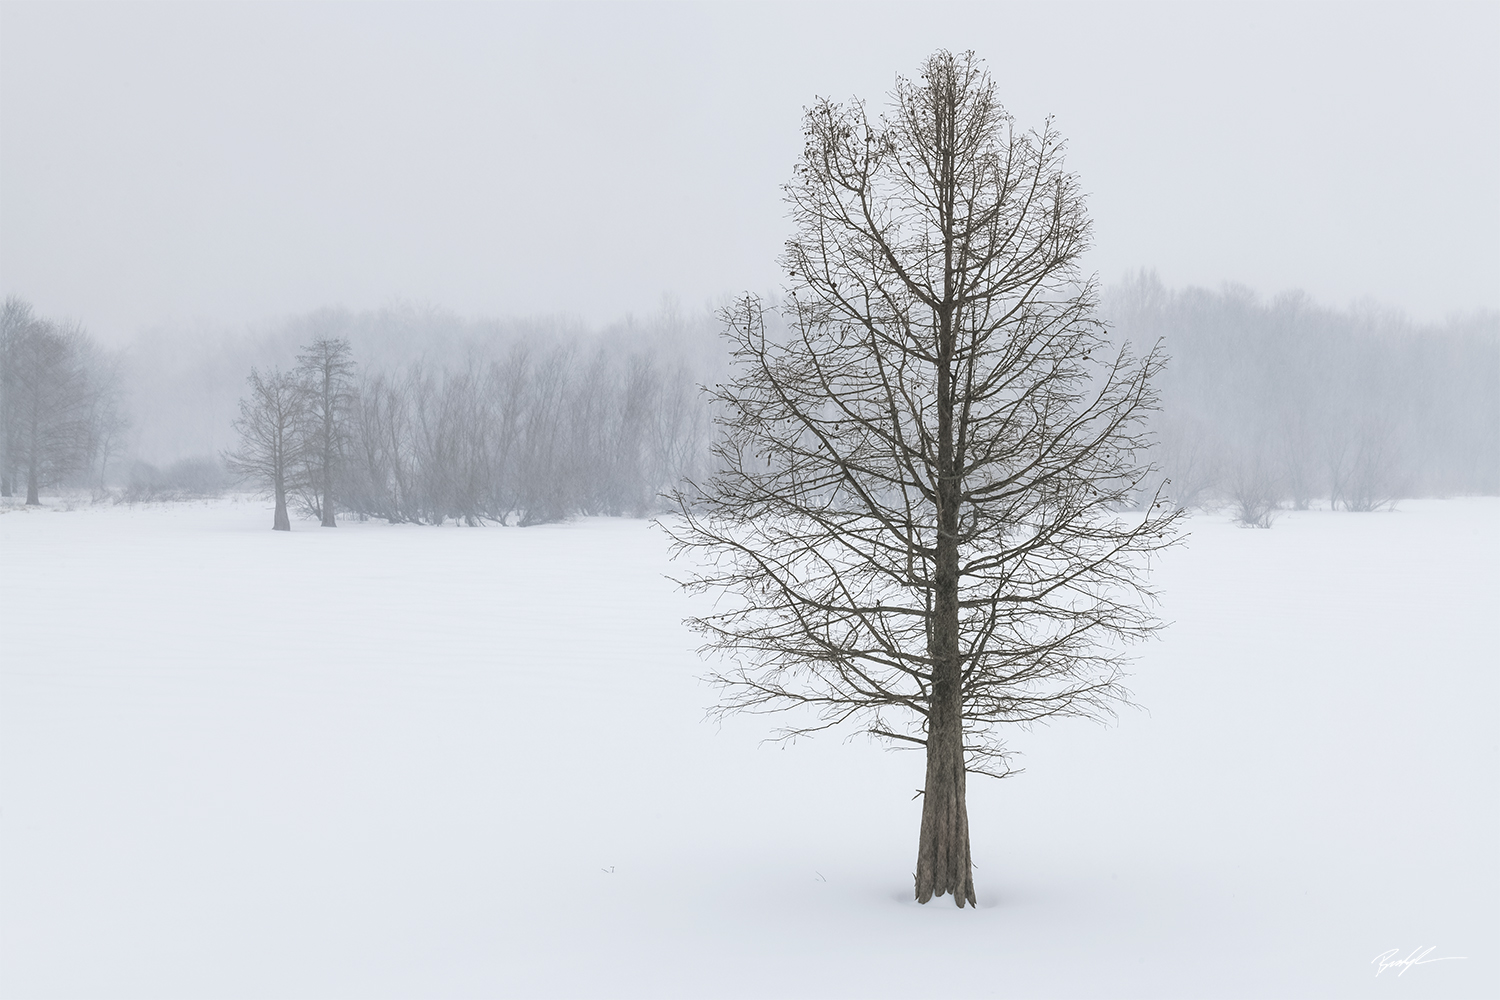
x=270 y=426
x=916 y=515
x=326 y=371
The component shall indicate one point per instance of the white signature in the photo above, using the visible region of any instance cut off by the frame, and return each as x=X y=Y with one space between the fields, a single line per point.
x=1388 y=959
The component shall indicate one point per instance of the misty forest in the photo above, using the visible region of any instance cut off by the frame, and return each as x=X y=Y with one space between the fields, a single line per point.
x=423 y=650
x=1266 y=405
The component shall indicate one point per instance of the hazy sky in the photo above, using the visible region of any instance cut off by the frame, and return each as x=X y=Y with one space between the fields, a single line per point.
x=235 y=163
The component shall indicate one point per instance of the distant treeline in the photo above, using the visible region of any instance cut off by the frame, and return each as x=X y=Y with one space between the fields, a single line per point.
x=61 y=416
x=540 y=435
x=1266 y=404
x=1285 y=403
x=544 y=432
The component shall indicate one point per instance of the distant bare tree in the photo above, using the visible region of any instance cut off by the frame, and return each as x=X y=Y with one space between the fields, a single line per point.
x=1297 y=441
x=507 y=387
x=16 y=319
x=382 y=481
x=105 y=417
x=915 y=519
x=44 y=400
x=680 y=432
x=270 y=428
x=325 y=370
x=1189 y=459
x=452 y=426
x=633 y=481
x=1253 y=487
x=1363 y=471
x=543 y=475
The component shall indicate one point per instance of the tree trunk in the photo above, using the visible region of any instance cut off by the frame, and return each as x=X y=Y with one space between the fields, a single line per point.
x=328 y=521
x=32 y=500
x=943 y=862
x=281 y=522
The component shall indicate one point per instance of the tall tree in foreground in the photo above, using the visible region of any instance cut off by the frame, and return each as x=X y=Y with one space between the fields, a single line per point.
x=326 y=372
x=916 y=520
x=269 y=425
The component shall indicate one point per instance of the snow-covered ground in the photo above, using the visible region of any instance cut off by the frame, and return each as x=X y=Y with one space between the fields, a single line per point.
x=399 y=761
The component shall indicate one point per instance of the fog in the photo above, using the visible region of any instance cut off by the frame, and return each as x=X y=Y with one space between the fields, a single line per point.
x=1280 y=403
x=400 y=266
x=198 y=169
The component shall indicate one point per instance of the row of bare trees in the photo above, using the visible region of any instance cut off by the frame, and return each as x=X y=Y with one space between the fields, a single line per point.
x=294 y=429
x=61 y=418
x=538 y=435
x=1281 y=404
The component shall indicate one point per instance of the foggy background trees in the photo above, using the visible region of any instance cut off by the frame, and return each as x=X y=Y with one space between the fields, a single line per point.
x=1267 y=404
x=325 y=378
x=509 y=429
x=540 y=434
x=1285 y=403
x=271 y=429
x=60 y=410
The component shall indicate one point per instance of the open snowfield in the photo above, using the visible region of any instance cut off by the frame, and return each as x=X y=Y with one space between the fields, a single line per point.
x=406 y=761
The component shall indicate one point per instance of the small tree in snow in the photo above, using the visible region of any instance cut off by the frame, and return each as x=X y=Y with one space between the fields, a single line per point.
x=270 y=426
x=325 y=371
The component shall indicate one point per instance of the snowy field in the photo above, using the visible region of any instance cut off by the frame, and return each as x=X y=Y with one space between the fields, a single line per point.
x=416 y=762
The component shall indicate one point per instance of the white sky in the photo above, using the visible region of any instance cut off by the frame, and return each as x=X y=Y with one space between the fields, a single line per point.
x=225 y=164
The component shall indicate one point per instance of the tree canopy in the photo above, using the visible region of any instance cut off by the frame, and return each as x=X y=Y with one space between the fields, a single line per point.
x=928 y=515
